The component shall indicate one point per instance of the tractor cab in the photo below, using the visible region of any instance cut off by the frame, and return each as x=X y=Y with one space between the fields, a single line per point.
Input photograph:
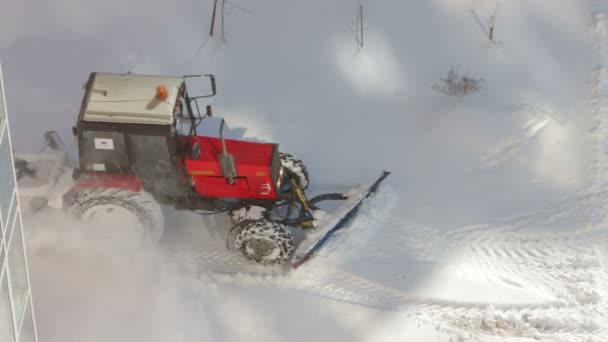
x=141 y=131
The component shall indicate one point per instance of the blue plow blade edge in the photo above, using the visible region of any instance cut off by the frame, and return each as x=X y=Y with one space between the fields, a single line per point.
x=303 y=256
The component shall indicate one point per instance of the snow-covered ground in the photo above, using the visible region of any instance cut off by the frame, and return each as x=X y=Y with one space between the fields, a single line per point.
x=491 y=228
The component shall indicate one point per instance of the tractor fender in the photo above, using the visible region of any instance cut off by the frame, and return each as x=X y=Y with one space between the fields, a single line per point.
x=92 y=180
x=62 y=186
x=107 y=180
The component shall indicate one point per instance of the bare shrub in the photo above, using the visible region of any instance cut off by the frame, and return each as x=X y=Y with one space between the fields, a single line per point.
x=455 y=84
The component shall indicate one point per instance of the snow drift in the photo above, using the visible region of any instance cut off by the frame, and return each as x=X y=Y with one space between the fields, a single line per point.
x=490 y=228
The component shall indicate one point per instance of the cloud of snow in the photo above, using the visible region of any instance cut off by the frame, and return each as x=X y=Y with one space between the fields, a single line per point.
x=87 y=288
x=254 y=125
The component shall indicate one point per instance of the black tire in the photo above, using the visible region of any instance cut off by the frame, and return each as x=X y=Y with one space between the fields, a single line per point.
x=86 y=202
x=265 y=242
x=295 y=167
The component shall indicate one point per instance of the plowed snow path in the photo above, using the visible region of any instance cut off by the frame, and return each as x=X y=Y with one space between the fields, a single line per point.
x=494 y=281
x=571 y=270
x=540 y=284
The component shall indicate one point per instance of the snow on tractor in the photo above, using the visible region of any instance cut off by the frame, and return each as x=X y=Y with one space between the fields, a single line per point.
x=138 y=149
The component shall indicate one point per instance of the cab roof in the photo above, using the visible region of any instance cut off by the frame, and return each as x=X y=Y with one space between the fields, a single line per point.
x=130 y=98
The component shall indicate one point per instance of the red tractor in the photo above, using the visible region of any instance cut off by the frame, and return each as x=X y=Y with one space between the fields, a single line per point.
x=139 y=148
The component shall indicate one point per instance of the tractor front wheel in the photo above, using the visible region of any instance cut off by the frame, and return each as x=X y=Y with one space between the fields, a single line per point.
x=120 y=214
x=265 y=242
x=296 y=168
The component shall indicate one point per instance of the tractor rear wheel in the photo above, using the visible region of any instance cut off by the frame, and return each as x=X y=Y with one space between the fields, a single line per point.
x=295 y=167
x=121 y=214
x=265 y=242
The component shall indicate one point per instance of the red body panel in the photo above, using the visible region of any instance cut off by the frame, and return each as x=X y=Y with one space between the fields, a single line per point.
x=107 y=180
x=252 y=162
x=217 y=187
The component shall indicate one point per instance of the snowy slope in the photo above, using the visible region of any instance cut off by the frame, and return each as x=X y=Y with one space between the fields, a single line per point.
x=491 y=227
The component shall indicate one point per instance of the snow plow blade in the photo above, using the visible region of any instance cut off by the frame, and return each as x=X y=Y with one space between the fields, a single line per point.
x=323 y=233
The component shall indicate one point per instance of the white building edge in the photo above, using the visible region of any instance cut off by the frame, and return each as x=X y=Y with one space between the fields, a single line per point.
x=17 y=321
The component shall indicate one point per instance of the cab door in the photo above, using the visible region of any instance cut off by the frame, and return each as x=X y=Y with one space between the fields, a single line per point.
x=154 y=163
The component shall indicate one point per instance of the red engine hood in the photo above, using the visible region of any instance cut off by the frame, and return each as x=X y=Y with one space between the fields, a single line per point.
x=253 y=166
x=244 y=152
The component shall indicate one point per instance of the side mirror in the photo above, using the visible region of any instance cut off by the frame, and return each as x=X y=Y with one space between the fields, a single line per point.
x=213 y=86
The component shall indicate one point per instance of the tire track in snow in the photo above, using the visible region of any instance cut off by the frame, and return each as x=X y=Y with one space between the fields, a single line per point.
x=568 y=264
x=564 y=263
x=230 y=262
x=569 y=267
x=509 y=148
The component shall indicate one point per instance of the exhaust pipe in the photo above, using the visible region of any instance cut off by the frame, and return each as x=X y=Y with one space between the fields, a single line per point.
x=226 y=160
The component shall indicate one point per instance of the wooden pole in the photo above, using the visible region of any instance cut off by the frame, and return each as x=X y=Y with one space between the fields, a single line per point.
x=223 y=28
x=213 y=18
x=361 y=22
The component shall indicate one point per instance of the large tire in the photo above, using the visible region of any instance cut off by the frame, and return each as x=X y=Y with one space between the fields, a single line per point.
x=134 y=216
x=296 y=167
x=265 y=242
